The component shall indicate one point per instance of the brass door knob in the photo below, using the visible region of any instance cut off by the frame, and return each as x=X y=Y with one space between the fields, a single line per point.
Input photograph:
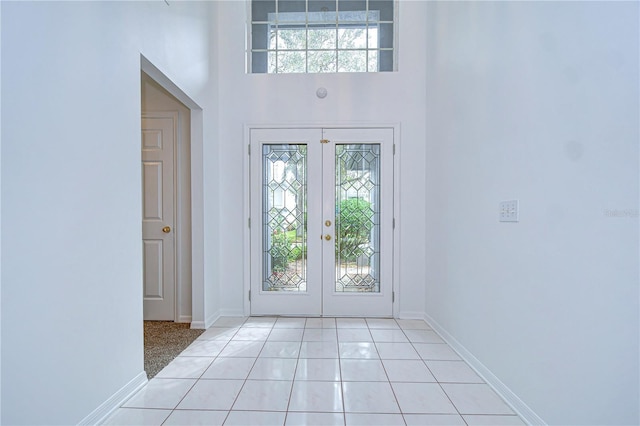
x=166 y=229
x=327 y=237
x=327 y=223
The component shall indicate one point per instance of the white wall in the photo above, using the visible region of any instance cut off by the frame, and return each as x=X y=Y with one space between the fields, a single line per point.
x=538 y=101
x=71 y=238
x=290 y=100
x=0 y=223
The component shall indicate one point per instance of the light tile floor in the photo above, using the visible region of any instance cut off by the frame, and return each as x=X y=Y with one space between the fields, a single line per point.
x=316 y=371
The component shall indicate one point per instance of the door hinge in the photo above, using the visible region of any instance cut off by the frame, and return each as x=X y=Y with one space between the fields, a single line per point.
x=249 y=149
x=394 y=149
x=249 y=222
x=249 y=295
x=393 y=296
x=394 y=223
x=324 y=140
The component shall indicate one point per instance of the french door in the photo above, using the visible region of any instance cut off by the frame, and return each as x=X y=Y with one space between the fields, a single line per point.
x=321 y=221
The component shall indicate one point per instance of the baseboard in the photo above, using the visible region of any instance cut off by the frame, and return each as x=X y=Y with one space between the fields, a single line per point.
x=98 y=415
x=211 y=319
x=231 y=313
x=411 y=315
x=214 y=317
x=203 y=325
x=522 y=409
x=198 y=325
x=184 y=318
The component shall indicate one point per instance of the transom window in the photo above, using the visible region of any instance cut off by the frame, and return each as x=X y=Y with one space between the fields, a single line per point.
x=322 y=36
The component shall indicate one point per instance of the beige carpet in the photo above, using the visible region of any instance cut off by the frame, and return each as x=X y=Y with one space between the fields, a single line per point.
x=163 y=341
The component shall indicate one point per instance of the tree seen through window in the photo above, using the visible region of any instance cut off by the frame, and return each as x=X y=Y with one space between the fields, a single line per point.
x=309 y=36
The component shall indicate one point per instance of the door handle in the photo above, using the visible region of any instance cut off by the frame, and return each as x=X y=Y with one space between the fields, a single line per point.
x=166 y=229
x=327 y=223
x=327 y=237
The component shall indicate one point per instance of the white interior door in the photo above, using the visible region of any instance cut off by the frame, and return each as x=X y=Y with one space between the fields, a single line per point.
x=158 y=242
x=322 y=222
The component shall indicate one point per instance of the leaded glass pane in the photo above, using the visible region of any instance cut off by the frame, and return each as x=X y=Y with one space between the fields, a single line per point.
x=284 y=213
x=358 y=218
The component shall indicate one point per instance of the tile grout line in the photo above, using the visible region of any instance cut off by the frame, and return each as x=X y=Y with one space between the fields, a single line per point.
x=344 y=405
x=244 y=382
x=322 y=342
x=387 y=374
x=437 y=381
x=200 y=377
x=293 y=379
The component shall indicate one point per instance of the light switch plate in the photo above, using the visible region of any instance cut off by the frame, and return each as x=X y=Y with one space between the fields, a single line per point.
x=509 y=211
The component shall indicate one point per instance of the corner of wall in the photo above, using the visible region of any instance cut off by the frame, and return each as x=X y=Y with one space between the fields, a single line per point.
x=411 y=315
x=215 y=316
x=519 y=406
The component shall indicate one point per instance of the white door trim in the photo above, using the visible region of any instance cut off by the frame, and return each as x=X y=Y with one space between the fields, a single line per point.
x=396 y=200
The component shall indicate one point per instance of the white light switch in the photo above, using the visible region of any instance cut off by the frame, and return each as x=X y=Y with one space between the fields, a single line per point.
x=509 y=211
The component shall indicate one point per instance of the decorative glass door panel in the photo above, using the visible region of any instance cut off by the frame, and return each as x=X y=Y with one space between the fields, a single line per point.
x=357 y=191
x=284 y=227
x=324 y=241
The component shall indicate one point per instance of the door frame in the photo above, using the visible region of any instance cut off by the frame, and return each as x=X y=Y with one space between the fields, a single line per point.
x=185 y=173
x=396 y=199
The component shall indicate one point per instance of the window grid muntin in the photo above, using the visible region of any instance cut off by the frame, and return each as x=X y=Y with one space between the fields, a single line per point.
x=295 y=24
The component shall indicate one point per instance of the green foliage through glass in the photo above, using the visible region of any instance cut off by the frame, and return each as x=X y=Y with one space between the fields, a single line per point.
x=354 y=224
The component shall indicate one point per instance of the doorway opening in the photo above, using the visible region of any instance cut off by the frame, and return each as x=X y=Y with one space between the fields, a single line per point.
x=166 y=204
x=164 y=106
x=166 y=225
